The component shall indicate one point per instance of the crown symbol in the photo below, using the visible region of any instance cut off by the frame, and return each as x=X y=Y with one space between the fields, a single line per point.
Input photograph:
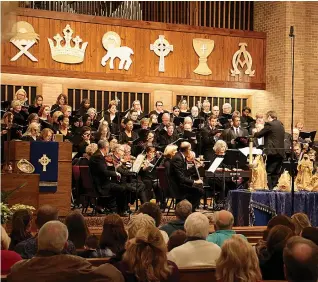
x=67 y=53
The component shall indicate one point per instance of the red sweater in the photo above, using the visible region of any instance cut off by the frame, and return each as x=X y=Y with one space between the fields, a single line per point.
x=8 y=259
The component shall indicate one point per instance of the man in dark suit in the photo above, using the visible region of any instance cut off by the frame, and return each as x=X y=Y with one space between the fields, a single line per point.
x=229 y=135
x=102 y=176
x=182 y=185
x=210 y=135
x=273 y=133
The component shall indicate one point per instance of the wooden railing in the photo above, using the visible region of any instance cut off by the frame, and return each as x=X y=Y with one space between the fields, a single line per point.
x=219 y=14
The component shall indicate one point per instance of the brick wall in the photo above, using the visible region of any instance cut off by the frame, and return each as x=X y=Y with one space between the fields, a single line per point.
x=275 y=18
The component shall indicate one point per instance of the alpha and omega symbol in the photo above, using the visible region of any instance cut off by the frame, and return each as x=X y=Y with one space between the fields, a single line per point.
x=248 y=61
x=44 y=161
x=162 y=48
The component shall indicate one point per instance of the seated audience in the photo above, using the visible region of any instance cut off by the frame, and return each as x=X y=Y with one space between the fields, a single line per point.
x=183 y=210
x=91 y=245
x=154 y=211
x=300 y=221
x=146 y=258
x=137 y=222
x=271 y=257
x=77 y=229
x=301 y=260
x=50 y=265
x=223 y=225
x=28 y=248
x=113 y=239
x=8 y=258
x=21 y=227
x=196 y=251
x=176 y=239
x=238 y=262
x=310 y=233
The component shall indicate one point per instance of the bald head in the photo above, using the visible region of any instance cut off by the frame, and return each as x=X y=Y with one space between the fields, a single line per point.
x=301 y=260
x=223 y=220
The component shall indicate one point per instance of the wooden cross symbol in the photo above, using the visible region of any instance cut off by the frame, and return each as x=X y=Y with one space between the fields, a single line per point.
x=23 y=46
x=44 y=161
x=162 y=48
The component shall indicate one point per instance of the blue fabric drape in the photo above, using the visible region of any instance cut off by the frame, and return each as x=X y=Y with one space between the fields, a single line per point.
x=49 y=173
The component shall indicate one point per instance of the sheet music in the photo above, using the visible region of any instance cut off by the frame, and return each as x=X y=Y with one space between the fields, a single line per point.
x=138 y=163
x=215 y=164
x=246 y=151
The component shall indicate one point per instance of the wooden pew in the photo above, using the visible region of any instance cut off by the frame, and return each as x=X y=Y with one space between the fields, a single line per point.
x=197 y=274
x=4 y=278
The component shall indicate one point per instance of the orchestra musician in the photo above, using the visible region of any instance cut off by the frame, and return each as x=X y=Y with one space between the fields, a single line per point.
x=101 y=176
x=179 y=177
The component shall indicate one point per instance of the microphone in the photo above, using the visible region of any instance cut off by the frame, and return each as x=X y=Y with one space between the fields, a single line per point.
x=291 y=31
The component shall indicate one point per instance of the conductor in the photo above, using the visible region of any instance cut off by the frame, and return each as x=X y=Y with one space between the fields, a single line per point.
x=273 y=133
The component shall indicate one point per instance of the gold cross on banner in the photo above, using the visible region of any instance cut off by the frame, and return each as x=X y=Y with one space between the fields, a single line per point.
x=44 y=161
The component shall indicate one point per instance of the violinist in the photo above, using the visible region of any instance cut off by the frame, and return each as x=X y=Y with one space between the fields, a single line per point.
x=148 y=172
x=179 y=177
x=86 y=140
x=38 y=101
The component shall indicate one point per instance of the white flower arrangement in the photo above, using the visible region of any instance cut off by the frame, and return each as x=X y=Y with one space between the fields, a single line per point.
x=6 y=212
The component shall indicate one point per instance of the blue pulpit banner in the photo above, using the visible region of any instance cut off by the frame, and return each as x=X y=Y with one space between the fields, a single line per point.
x=44 y=157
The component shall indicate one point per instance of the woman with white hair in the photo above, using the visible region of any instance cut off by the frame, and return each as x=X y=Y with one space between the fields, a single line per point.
x=196 y=251
x=18 y=117
x=8 y=258
x=32 y=133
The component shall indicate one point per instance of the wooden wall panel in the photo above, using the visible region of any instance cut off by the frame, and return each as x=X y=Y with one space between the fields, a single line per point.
x=179 y=64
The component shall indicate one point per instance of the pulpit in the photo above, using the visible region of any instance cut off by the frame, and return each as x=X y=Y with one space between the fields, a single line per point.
x=61 y=198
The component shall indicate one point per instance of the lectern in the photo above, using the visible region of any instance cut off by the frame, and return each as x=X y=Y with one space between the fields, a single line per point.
x=61 y=199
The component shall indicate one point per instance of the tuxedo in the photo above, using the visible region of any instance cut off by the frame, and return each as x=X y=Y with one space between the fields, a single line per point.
x=233 y=133
x=180 y=182
x=274 y=136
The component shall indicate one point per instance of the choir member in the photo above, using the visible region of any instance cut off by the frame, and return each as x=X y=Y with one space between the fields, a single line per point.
x=206 y=110
x=64 y=123
x=259 y=119
x=66 y=110
x=167 y=136
x=87 y=121
x=137 y=107
x=46 y=135
x=226 y=116
x=159 y=109
x=216 y=111
x=133 y=115
x=128 y=135
x=94 y=122
x=60 y=101
x=55 y=123
x=84 y=106
x=33 y=118
x=153 y=119
x=246 y=119
x=112 y=117
x=45 y=118
x=102 y=133
x=32 y=133
x=299 y=125
x=230 y=134
x=183 y=106
x=21 y=95
x=175 y=112
x=38 y=101
x=210 y=134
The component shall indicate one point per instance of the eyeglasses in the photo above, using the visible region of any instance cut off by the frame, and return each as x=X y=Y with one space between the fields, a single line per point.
x=160 y=105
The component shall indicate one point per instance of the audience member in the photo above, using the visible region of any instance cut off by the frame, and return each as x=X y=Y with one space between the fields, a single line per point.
x=137 y=222
x=301 y=260
x=77 y=229
x=271 y=257
x=196 y=251
x=145 y=259
x=223 y=225
x=50 y=265
x=310 y=233
x=154 y=211
x=8 y=258
x=114 y=237
x=300 y=221
x=238 y=262
x=21 y=227
x=183 y=210
x=176 y=239
x=91 y=245
x=28 y=248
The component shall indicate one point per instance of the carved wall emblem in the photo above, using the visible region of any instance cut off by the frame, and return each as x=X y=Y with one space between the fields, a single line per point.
x=203 y=48
x=23 y=37
x=111 y=42
x=162 y=48
x=236 y=61
x=67 y=54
